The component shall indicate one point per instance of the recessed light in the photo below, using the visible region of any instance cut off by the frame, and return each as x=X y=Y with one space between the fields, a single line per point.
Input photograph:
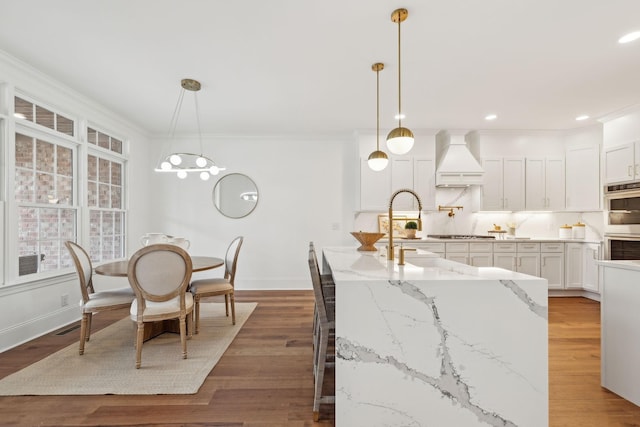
x=491 y=117
x=629 y=37
x=583 y=117
x=400 y=116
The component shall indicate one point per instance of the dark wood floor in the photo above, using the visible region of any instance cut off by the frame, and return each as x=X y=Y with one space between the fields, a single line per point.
x=265 y=378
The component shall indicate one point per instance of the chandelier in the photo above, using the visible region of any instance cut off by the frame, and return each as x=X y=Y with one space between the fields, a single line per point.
x=180 y=163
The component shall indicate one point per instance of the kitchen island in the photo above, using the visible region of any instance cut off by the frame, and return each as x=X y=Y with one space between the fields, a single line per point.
x=620 y=328
x=435 y=342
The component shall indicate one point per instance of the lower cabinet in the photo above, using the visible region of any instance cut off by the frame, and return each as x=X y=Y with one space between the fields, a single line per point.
x=552 y=264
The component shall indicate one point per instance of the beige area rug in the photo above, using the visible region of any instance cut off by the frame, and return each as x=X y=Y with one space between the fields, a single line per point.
x=108 y=363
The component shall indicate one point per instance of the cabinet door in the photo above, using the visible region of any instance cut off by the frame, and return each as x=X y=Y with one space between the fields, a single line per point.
x=552 y=269
x=591 y=279
x=583 y=179
x=555 y=184
x=492 y=196
x=513 y=184
x=402 y=177
x=375 y=188
x=480 y=259
x=529 y=263
x=424 y=182
x=618 y=164
x=462 y=258
x=573 y=266
x=504 y=260
x=535 y=187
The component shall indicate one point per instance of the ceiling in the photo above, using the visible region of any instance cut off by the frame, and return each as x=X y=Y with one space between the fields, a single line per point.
x=304 y=67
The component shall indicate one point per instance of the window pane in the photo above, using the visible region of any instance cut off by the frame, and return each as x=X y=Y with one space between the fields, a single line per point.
x=44 y=156
x=24 y=186
x=107 y=223
x=64 y=125
x=49 y=224
x=92 y=136
x=24 y=151
x=116 y=197
x=117 y=223
x=92 y=172
x=95 y=223
x=45 y=188
x=116 y=173
x=49 y=255
x=68 y=224
x=92 y=194
x=104 y=171
x=65 y=161
x=28 y=226
x=116 y=145
x=103 y=196
x=64 y=190
x=103 y=140
x=44 y=117
x=25 y=108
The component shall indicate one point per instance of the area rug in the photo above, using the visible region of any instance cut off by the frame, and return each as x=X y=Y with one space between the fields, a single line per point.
x=108 y=363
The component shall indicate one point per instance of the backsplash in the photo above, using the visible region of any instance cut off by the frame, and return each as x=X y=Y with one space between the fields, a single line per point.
x=535 y=225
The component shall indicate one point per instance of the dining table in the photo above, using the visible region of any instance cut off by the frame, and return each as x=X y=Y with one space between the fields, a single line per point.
x=153 y=329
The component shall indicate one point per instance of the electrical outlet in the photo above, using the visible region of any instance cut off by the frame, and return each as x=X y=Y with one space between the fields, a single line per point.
x=64 y=300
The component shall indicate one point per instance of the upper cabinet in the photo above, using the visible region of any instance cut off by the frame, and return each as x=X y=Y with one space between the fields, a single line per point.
x=622 y=163
x=544 y=182
x=583 y=178
x=503 y=188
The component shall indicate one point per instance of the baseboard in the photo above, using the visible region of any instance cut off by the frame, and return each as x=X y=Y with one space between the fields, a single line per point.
x=574 y=293
x=34 y=328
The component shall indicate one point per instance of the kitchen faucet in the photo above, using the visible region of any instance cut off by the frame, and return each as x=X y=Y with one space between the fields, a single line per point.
x=393 y=196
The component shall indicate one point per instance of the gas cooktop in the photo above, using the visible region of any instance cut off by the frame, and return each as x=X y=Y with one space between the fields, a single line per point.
x=459 y=236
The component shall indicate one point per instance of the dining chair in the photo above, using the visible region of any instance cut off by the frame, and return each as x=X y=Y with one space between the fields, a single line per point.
x=324 y=330
x=159 y=275
x=92 y=301
x=220 y=285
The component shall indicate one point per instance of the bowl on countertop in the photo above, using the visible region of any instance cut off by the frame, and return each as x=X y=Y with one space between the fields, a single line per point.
x=367 y=239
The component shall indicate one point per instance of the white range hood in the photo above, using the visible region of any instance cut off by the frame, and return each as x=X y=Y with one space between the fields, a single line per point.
x=456 y=166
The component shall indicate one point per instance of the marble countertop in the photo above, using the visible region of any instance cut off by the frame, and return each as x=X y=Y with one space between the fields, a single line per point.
x=624 y=264
x=507 y=239
x=438 y=343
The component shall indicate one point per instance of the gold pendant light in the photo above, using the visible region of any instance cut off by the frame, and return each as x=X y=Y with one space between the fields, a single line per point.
x=400 y=139
x=378 y=160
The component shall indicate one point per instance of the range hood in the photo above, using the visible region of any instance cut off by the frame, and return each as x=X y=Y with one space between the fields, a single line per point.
x=456 y=166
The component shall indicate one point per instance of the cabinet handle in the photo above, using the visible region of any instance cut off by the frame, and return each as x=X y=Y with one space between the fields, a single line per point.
x=635 y=170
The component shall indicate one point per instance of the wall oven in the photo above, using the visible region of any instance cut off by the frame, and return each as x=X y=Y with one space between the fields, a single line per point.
x=622 y=222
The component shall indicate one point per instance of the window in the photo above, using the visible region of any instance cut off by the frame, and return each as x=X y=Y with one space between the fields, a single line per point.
x=44 y=193
x=106 y=213
x=37 y=114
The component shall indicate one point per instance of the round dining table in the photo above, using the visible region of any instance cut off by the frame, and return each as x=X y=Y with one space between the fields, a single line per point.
x=120 y=268
x=153 y=329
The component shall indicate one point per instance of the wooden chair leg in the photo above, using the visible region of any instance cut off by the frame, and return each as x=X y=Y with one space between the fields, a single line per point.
x=88 y=330
x=139 y=339
x=190 y=324
x=196 y=302
x=183 y=336
x=233 y=308
x=83 y=331
x=226 y=304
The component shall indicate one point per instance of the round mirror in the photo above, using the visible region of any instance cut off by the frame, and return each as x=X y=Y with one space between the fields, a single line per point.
x=235 y=195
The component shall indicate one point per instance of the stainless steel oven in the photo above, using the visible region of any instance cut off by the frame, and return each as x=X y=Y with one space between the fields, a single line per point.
x=622 y=246
x=622 y=209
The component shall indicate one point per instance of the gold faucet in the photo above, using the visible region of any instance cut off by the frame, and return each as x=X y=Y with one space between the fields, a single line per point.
x=450 y=208
x=402 y=251
x=390 y=255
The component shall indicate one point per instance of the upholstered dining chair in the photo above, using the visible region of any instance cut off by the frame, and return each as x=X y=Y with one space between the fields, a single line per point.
x=159 y=275
x=94 y=301
x=221 y=285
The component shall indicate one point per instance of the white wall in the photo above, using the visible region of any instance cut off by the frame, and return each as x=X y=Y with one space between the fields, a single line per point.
x=306 y=193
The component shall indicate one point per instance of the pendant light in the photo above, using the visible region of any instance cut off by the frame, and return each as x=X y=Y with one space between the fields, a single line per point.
x=378 y=160
x=400 y=139
x=184 y=163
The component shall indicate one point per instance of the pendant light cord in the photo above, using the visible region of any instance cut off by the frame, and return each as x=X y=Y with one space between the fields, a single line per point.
x=195 y=99
x=377 y=110
x=399 y=79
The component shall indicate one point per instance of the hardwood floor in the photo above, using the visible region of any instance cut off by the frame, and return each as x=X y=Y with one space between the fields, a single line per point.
x=265 y=378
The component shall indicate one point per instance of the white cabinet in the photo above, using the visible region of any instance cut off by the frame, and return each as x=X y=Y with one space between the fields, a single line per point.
x=504 y=255
x=582 y=165
x=591 y=278
x=544 y=184
x=621 y=163
x=477 y=254
x=457 y=251
x=574 y=265
x=504 y=183
x=416 y=174
x=552 y=264
x=528 y=258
